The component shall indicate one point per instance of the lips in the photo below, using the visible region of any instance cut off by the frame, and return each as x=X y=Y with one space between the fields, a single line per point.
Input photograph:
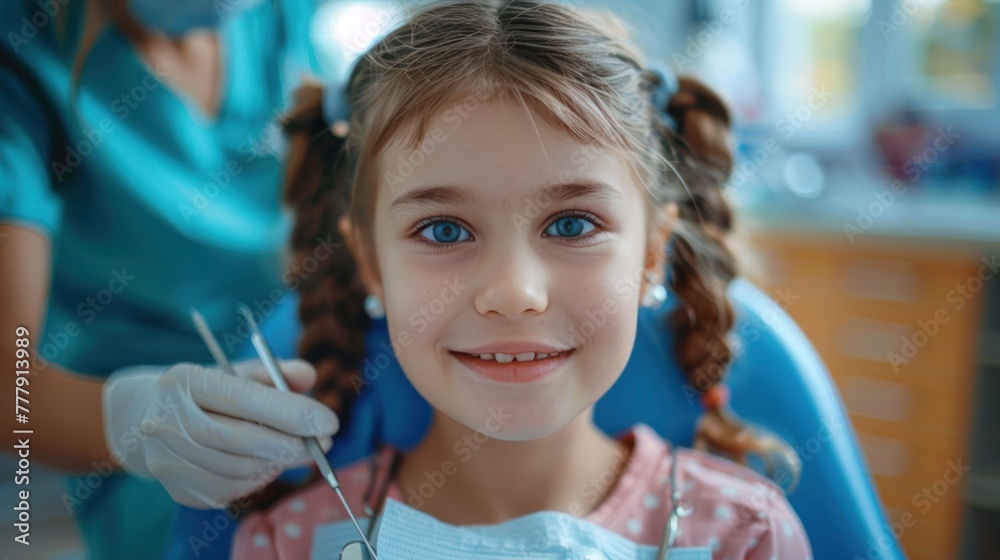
x=524 y=367
x=515 y=347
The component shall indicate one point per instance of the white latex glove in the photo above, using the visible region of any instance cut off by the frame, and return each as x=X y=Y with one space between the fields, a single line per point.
x=195 y=428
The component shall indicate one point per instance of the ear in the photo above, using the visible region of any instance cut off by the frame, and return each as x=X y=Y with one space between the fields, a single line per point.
x=362 y=256
x=656 y=257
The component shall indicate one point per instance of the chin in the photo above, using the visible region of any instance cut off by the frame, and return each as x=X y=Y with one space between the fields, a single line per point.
x=520 y=422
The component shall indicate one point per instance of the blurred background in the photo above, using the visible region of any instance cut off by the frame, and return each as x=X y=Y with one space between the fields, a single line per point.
x=867 y=189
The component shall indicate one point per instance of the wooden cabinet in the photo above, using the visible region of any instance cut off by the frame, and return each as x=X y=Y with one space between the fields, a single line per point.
x=897 y=322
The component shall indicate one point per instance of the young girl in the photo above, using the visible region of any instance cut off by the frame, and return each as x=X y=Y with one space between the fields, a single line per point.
x=507 y=172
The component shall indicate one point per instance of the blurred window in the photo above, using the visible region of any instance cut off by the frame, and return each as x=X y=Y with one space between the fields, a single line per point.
x=813 y=56
x=953 y=52
x=342 y=30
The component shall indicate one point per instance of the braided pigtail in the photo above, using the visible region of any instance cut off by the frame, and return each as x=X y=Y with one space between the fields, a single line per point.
x=331 y=308
x=702 y=266
x=332 y=295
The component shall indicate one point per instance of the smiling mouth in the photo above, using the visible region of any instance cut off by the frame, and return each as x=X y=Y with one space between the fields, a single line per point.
x=513 y=368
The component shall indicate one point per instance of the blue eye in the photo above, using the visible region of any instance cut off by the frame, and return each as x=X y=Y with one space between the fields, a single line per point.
x=442 y=232
x=445 y=232
x=569 y=226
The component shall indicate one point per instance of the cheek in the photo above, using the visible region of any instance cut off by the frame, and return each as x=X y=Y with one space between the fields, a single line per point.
x=604 y=310
x=608 y=293
x=419 y=304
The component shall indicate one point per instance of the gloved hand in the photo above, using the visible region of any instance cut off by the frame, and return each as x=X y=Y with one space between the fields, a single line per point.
x=195 y=429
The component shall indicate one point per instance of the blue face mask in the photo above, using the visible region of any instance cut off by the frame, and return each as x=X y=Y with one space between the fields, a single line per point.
x=178 y=17
x=404 y=532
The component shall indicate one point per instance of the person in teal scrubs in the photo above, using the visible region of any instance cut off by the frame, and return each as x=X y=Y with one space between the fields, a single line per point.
x=140 y=168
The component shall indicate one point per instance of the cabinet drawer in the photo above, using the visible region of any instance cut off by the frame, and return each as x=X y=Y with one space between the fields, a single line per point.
x=908 y=463
x=918 y=409
x=904 y=341
x=933 y=528
x=904 y=280
x=889 y=458
x=902 y=338
x=904 y=274
x=881 y=279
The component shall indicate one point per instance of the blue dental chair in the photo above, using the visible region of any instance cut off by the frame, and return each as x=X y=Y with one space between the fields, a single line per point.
x=777 y=380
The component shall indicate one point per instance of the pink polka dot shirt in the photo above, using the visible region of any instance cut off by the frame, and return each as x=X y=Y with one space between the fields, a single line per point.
x=737 y=513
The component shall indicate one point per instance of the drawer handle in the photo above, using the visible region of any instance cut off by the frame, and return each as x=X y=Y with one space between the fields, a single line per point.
x=882 y=280
x=886 y=457
x=874 y=398
x=871 y=340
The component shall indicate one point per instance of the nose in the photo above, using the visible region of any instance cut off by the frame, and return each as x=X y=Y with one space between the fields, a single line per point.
x=514 y=285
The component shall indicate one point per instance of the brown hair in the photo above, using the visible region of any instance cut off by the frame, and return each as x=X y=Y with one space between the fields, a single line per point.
x=578 y=72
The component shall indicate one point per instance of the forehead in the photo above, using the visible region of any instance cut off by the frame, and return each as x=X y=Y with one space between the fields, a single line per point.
x=497 y=149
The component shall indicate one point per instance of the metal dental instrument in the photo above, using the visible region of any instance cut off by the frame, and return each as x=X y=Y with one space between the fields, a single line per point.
x=218 y=355
x=312 y=444
x=676 y=511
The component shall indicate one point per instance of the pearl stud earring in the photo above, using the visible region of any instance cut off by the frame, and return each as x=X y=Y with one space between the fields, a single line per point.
x=373 y=307
x=656 y=294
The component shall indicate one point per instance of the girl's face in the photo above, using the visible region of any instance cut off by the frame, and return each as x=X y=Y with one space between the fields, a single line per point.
x=501 y=235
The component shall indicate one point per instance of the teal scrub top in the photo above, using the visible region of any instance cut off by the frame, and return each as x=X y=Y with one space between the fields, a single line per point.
x=151 y=206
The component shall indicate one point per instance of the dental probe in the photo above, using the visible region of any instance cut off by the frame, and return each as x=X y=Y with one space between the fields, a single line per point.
x=312 y=444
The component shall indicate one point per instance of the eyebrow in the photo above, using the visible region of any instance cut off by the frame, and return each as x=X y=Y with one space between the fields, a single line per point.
x=455 y=195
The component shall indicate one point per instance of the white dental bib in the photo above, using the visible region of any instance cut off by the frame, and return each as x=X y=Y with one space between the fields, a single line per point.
x=405 y=533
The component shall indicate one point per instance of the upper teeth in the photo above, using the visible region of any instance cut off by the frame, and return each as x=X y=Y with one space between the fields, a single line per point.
x=523 y=357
